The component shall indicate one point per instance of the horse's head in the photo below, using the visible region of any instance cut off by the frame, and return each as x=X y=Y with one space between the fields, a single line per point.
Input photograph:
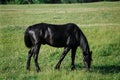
x=87 y=59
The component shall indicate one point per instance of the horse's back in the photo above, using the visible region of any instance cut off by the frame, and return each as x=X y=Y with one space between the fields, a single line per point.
x=68 y=26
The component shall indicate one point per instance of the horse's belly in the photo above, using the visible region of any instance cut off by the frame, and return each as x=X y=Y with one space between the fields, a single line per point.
x=57 y=43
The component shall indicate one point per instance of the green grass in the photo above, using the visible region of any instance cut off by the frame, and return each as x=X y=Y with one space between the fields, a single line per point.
x=100 y=22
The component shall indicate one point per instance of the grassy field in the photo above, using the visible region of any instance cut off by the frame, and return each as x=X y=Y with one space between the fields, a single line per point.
x=100 y=22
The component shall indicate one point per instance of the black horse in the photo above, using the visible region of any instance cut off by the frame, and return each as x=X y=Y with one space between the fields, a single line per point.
x=68 y=36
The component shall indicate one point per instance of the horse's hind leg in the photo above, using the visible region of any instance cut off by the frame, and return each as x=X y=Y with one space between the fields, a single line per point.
x=35 y=48
x=29 y=59
x=33 y=52
x=35 y=56
x=62 y=57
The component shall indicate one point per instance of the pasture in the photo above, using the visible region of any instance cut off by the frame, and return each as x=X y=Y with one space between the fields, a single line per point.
x=100 y=22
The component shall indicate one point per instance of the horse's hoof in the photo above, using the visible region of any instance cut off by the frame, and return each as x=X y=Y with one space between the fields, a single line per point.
x=73 y=68
x=28 y=68
x=38 y=70
x=57 y=68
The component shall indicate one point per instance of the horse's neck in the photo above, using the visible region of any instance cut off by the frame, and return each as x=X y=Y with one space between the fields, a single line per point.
x=84 y=44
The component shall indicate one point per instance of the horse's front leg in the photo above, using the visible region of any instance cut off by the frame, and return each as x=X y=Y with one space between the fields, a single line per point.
x=62 y=57
x=35 y=56
x=73 y=58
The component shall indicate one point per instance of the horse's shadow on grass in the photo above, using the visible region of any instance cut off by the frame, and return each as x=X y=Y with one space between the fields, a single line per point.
x=106 y=69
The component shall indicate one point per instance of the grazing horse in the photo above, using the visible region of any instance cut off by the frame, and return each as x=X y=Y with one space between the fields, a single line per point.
x=68 y=36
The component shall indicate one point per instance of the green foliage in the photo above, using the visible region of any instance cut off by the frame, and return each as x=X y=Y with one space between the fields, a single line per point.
x=69 y=1
x=99 y=22
x=47 y=1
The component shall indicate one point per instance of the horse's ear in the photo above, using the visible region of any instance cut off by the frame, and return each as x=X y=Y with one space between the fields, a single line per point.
x=84 y=53
x=91 y=55
x=91 y=52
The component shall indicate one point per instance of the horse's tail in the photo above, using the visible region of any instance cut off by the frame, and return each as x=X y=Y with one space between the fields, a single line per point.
x=27 y=39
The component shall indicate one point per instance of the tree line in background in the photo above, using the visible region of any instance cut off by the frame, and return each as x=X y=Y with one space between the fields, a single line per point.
x=47 y=1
